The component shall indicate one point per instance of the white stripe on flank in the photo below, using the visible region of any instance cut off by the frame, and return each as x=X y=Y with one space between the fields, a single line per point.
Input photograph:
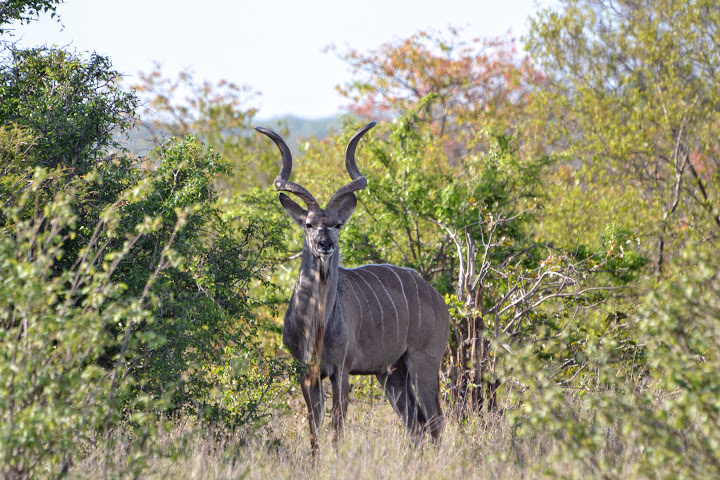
x=417 y=292
x=356 y=296
x=367 y=301
x=382 y=313
x=431 y=297
x=407 y=305
x=397 y=317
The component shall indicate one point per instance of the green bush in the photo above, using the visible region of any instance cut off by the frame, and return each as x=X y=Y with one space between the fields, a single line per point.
x=127 y=292
x=645 y=399
x=72 y=105
x=54 y=394
x=204 y=304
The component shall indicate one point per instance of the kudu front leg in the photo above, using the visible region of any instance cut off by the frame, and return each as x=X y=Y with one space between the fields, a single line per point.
x=311 y=387
x=341 y=392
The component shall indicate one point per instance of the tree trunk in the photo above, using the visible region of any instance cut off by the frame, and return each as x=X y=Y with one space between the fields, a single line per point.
x=474 y=385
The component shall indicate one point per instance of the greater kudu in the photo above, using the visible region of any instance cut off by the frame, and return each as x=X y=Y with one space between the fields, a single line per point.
x=376 y=319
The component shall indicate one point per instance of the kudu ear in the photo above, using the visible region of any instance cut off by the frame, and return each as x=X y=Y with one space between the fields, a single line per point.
x=343 y=206
x=296 y=212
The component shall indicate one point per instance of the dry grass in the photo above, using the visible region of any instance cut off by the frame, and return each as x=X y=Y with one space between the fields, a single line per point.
x=374 y=446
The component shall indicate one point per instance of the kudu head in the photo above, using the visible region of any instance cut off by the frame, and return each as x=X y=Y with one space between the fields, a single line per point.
x=321 y=226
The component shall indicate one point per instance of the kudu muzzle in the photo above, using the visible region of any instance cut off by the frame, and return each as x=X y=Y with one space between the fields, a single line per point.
x=325 y=244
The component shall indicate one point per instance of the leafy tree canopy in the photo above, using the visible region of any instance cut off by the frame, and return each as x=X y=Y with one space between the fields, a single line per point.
x=72 y=105
x=633 y=95
x=24 y=11
x=478 y=84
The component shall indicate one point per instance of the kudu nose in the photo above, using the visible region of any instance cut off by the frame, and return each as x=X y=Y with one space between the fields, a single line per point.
x=325 y=245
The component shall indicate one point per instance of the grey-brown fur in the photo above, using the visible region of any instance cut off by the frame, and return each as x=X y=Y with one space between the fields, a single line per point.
x=376 y=319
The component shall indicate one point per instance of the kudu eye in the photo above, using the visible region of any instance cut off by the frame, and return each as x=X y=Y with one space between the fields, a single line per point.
x=308 y=226
x=338 y=226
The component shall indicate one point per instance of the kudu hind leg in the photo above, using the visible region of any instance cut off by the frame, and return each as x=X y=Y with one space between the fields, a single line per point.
x=311 y=386
x=399 y=392
x=424 y=370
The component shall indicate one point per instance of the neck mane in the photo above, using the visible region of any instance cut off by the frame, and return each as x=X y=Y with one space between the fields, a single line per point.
x=313 y=301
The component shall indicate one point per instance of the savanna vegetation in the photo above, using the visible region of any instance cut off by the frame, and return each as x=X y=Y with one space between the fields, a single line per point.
x=565 y=200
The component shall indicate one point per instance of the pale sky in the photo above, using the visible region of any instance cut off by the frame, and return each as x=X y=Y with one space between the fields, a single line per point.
x=274 y=47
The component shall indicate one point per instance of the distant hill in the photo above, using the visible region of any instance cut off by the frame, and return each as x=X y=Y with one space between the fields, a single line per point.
x=139 y=143
x=305 y=127
x=300 y=127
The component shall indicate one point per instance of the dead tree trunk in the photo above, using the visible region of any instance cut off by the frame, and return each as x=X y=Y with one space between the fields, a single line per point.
x=474 y=383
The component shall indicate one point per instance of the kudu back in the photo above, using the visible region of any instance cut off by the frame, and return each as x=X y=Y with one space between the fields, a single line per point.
x=380 y=320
